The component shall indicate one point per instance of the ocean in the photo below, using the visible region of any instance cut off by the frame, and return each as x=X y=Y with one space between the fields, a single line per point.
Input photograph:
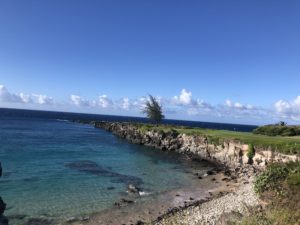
x=59 y=169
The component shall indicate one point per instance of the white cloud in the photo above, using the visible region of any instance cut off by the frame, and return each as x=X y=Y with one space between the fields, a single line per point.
x=237 y=105
x=125 y=103
x=185 y=98
x=25 y=98
x=104 y=101
x=43 y=99
x=289 y=109
x=140 y=103
x=180 y=105
x=6 y=96
x=79 y=101
x=228 y=103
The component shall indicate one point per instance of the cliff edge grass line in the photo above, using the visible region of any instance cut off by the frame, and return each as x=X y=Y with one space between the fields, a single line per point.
x=279 y=144
x=285 y=145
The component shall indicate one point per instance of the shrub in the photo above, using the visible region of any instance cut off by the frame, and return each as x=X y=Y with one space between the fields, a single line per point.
x=276 y=173
x=268 y=178
x=251 y=151
x=275 y=130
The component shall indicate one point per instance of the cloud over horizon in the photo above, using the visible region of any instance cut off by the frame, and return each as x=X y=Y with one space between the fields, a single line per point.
x=289 y=109
x=181 y=105
x=8 y=97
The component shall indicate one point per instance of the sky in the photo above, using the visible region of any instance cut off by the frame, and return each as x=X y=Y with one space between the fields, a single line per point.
x=217 y=61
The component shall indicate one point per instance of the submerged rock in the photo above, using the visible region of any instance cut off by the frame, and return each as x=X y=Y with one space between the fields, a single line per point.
x=123 y=202
x=110 y=188
x=2 y=206
x=133 y=189
x=17 y=217
x=3 y=220
x=88 y=166
x=39 y=221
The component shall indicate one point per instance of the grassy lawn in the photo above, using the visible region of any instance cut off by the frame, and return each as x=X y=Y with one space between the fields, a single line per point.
x=287 y=145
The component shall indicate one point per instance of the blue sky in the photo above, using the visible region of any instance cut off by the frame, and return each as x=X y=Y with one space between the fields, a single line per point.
x=222 y=61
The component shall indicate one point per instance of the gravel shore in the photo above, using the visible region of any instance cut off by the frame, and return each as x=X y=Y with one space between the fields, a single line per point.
x=211 y=212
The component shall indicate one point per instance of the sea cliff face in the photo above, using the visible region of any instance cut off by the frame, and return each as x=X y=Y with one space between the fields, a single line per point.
x=230 y=153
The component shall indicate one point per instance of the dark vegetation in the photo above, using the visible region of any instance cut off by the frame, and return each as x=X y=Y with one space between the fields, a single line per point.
x=153 y=110
x=279 y=129
x=250 y=153
x=279 y=187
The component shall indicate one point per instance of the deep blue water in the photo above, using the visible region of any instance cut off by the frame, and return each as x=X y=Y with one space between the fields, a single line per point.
x=81 y=116
x=60 y=169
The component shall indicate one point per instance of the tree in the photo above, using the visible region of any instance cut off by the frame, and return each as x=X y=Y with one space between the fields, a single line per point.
x=281 y=123
x=153 y=109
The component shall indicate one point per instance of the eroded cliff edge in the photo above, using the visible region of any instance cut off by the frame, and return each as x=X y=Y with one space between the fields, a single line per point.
x=230 y=152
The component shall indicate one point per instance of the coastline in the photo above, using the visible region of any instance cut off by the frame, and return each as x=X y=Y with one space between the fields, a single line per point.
x=222 y=192
x=205 y=201
x=231 y=155
x=182 y=206
x=169 y=205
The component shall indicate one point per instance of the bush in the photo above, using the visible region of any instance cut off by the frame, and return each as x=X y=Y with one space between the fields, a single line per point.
x=276 y=173
x=251 y=151
x=283 y=209
x=277 y=130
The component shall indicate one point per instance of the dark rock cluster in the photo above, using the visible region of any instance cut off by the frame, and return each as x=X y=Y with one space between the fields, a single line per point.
x=3 y=219
x=161 y=140
x=195 y=147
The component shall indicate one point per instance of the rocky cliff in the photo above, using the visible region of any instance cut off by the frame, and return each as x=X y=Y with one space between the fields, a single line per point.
x=230 y=153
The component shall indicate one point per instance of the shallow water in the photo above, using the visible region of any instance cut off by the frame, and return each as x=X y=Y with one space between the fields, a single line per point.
x=58 y=169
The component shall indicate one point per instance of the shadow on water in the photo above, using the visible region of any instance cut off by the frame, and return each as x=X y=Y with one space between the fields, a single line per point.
x=90 y=167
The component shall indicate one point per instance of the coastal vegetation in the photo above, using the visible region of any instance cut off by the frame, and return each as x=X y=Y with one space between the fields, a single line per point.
x=278 y=186
x=153 y=109
x=286 y=145
x=279 y=129
x=251 y=153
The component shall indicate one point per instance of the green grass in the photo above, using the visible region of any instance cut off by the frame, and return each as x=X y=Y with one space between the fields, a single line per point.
x=287 y=145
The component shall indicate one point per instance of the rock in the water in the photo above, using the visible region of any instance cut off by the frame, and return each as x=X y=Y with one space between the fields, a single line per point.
x=17 y=217
x=111 y=188
x=39 y=221
x=2 y=206
x=3 y=220
x=123 y=202
x=133 y=189
x=0 y=170
x=210 y=172
x=88 y=166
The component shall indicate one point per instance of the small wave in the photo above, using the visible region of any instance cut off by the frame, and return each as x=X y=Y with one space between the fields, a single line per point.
x=62 y=120
x=143 y=193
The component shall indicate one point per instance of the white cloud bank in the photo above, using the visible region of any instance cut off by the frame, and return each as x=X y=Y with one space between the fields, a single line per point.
x=289 y=109
x=8 y=97
x=79 y=101
x=178 y=106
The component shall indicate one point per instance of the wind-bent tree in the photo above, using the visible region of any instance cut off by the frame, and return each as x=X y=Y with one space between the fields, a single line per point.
x=153 y=109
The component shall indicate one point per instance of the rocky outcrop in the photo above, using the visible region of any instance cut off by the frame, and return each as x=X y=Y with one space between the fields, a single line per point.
x=3 y=219
x=229 y=153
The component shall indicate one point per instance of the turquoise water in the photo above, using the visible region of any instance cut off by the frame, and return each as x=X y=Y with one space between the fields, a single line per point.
x=60 y=169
